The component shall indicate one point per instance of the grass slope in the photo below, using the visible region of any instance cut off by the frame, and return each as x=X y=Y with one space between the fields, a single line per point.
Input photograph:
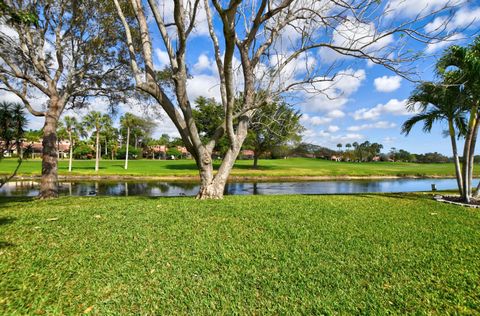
x=362 y=254
x=294 y=167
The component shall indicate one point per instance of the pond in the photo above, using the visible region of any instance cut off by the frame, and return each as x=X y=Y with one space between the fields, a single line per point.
x=161 y=188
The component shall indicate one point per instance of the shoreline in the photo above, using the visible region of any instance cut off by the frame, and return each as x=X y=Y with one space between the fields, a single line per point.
x=234 y=178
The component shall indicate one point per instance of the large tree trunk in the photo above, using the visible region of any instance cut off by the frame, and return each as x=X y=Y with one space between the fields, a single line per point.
x=458 y=172
x=255 y=161
x=126 y=151
x=213 y=185
x=468 y=154
x=49 y=183
x=70 y=153
x=472 y=156
x=97 y=153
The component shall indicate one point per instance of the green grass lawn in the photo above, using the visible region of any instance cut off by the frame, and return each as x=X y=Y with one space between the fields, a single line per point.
x=294 y=167
x=360 y=254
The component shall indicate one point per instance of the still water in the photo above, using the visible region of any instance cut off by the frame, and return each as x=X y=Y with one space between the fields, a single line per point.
x=158 y=188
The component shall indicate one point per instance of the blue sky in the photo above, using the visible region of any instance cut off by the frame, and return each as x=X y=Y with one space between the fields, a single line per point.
x=369 y=101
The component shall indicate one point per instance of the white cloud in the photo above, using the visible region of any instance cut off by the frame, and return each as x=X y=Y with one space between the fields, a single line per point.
x=204 y=63
x=436 y=46
x=379 y=124
x=314 y=120
x=333 y=128
x=352 y=34
x=203 y=85
x=329 y=96
x=414 y=8
x=166 y=8
x=465 y=17
x=393 y=107
x=336 y=114
x=162 y=57
x=327 y=139
x=387 y=84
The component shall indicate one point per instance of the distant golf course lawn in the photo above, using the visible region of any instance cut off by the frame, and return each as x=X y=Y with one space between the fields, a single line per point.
x=357 y=254
x=293 y=167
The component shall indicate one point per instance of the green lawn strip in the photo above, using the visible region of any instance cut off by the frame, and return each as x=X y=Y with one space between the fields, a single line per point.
x=294 y=167
x=354 y=254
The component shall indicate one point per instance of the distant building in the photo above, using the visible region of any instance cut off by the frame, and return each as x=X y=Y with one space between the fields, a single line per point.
x=247 y=154
x=158 y=151
x=335 y=158
x=35 y=149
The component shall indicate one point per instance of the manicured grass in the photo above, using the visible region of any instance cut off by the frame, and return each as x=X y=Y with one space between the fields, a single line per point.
x=294 y=167
x=360 y=254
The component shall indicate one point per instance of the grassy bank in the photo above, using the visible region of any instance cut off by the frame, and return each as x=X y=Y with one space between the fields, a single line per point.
x=362 y=254
x=294 y=167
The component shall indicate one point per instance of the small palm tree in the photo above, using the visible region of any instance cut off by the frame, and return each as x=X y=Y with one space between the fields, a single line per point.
x=95 y=121
x=19 y=123
x=74 y=130
x=438 y=102
x=130 y=121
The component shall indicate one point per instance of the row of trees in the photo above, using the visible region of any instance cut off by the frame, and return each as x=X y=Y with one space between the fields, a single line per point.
x=455 y=99
x=103 y=132
x=71 y=52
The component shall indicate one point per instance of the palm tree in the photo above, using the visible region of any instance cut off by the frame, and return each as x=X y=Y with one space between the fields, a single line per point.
x=130 y=121
x=12 y=126
x=348 y=146
x=459 y=67
x=95 y=121
x=5 y=126
x=438 y=102
x=74 y=130
x=19 y=123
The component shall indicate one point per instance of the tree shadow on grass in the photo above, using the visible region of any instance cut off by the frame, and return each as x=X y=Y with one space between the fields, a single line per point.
x=259 y=167
x=5 y=200
x=6 y=221
x=412 y=196
x=192 y=166
x=83 y=168
x=5 y=244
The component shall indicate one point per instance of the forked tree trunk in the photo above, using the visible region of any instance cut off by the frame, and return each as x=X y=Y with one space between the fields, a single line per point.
x=126 y=151
x=49 y=182
x=213 y=185
x=97 y=153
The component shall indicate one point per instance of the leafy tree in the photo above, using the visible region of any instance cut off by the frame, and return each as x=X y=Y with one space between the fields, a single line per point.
x=82 y=150
x=272 y=125
x=95 y=121
x=209 y=114
x=173 y=151
x=133 y=153
x=65 y=55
